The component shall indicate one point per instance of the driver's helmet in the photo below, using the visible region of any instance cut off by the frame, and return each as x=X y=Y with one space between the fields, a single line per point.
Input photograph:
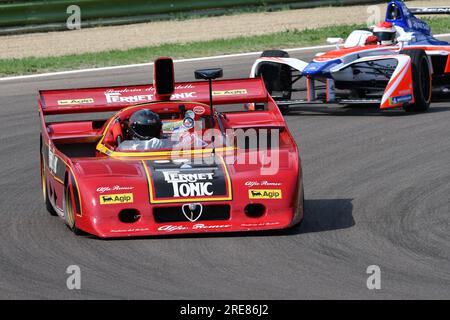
x=144 y=125
x=385 y=32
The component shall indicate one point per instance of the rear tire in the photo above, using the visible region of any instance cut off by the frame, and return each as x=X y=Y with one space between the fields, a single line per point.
x=277 y=77
x=48 y=204
x=421 y=81
x=69 y=211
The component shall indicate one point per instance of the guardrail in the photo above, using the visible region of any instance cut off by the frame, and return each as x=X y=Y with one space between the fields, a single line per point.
x=26 y=16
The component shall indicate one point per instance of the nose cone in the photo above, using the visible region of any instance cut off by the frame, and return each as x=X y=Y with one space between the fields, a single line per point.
x=319 y=68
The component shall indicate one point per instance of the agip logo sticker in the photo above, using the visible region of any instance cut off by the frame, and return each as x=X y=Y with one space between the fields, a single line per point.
x=116 y=198
x=264 y=194
x=75 y=101
x=230 y=92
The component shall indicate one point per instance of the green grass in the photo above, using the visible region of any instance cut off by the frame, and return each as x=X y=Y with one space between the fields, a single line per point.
x=286 y=39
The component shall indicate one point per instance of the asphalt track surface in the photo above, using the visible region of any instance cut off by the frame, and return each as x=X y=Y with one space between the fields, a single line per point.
x=377 y=193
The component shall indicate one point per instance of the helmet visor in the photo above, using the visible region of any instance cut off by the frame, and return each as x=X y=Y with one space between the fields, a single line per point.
x=146 y=131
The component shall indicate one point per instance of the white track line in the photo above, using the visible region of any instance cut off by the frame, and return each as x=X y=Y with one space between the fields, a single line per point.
x=59 y=73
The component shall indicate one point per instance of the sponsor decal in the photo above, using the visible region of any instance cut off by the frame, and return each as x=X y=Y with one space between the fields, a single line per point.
x=198 y=226
x=56 y=166
x=75 y=101
x=264 y=194
x=121 y=96
x=400 y=99
x=147 y=89
x=116 y=97
x=116 y=198
x=52 y=161
x=129 y=230
x=190 y=184
x=114 y=188
x=199 y=110
x=204 y=179
x=230 y=92
x=260 y=224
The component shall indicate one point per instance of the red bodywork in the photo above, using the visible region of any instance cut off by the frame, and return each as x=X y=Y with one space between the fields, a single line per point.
x=80 y=157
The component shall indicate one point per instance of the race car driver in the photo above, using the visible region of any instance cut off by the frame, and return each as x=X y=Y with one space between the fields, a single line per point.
x=144 y=131
x=385 y=32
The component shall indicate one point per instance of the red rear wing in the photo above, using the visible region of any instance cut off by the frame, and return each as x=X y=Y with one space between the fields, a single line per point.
x=115 y=98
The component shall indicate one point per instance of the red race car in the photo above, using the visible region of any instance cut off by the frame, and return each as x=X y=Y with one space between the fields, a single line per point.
x=169 y=158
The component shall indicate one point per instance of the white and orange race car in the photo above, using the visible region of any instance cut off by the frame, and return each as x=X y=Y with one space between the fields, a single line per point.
x=397 y=63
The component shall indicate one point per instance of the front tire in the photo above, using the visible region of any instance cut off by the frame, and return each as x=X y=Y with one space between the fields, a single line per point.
x=421 y=81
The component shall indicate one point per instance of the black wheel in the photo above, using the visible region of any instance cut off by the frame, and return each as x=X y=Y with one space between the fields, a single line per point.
x=277 y=77
x=69 y=209
x=421 y=81
x=48 y=204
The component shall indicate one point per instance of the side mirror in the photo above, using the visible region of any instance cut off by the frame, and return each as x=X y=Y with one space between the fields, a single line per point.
x=209 y=74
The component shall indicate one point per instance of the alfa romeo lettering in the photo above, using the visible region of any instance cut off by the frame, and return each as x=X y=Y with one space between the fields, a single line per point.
x=198 y=226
